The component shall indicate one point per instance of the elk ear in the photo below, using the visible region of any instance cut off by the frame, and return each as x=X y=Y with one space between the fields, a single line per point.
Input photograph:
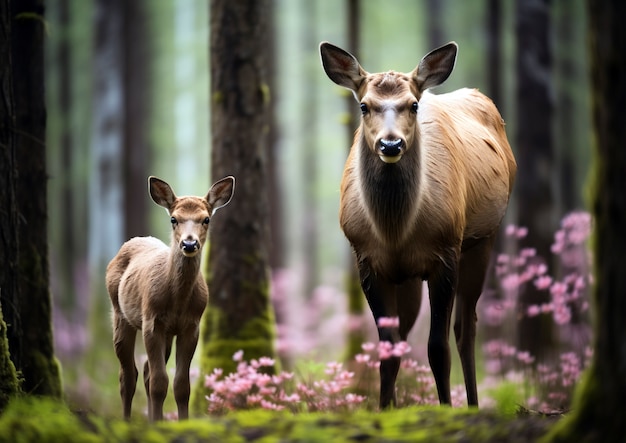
x=435 y=67
x=221 y=193
x=341 y=66
x=161 y=192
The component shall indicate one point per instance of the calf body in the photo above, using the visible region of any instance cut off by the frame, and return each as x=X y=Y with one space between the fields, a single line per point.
x=160 y=291
x=424 y=190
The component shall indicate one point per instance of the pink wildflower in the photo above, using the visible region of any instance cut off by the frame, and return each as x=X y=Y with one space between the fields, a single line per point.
x=533 y=310
x=388 y=322
x=543 y=282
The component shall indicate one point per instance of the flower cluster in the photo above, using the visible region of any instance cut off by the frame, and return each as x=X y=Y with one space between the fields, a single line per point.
x=567 y=299
x=250 y=387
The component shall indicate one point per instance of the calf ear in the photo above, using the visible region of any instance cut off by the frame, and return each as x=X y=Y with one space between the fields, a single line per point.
x=221 y=193
x=161 y=192
x=435 y=67
x=341 y=66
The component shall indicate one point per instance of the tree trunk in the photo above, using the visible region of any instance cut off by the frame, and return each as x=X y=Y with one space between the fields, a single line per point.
x=356 y=298
x=310 y=174
x=239 y=315
x=605 y=382
x=534 y=154
x=136 y=96
x=494 y=52
x=9 y=336
x=39 y=367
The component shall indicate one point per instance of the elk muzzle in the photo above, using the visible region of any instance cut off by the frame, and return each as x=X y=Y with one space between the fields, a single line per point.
x=390 y=151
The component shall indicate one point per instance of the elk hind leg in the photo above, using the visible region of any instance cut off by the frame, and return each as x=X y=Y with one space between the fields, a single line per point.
x=441 y=288
x=472 y=269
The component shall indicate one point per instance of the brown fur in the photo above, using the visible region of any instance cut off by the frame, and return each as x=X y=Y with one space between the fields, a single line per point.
x=160 y=291
x=431 y=215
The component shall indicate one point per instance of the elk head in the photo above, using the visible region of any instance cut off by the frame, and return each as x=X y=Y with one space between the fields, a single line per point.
x=389 y=101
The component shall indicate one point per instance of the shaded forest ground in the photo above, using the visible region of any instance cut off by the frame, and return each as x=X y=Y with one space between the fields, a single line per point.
x=28 y=419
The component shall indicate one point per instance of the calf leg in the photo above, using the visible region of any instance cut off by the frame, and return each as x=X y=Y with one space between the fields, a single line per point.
x=157 y=379
x=472 y=269
x=185 y=347
x=124 y=342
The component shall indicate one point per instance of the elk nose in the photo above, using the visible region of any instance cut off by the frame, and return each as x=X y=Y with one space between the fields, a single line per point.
x=190 y=246
x=390 y=148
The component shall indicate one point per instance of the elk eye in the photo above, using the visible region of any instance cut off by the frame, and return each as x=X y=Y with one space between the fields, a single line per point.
x=206 y=220
x=173 y=221
x=363 y=108
x=414 y=107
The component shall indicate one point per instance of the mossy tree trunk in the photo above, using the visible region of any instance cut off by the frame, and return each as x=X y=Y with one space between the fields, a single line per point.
x=8 y=209
x=597 y=412
x=239 y=314
x=38 y=365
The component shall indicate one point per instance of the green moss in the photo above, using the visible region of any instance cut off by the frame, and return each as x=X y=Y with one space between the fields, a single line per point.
x=27 y=420
x=30 y=419
x=44 y=372
x=266 y=95
x=9 y=381
x=217 y=98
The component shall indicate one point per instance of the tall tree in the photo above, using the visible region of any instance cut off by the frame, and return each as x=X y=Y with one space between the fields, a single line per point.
x=9 y=300
x=9 y=294
x=38 y=365
x=356 y=298
x=535 y=157
x=310 y=173
x=605 y=382
x=239 y=316
x=494 y=51
x=136 y=70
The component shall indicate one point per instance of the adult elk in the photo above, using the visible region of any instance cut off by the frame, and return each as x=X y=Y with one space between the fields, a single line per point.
x=424 y=189
x=160 y=291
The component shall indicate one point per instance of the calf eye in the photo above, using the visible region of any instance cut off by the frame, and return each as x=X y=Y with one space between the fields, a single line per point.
x=206 y=220
x=173 y=221
x=414 y=107
x=363 y=108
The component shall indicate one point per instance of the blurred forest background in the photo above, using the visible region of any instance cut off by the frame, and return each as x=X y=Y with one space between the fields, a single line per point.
x=127 y=96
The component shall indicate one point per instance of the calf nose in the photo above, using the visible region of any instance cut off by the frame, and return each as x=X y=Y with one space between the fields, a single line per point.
x=190 y=246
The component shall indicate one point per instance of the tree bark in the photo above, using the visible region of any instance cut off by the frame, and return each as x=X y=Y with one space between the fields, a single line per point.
x=605 y=382
x=239 y=316
x=10 y=337
x=38 y=365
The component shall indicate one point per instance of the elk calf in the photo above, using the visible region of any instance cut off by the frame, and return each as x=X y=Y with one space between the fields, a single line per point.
x=160 y=291
x=424 y=189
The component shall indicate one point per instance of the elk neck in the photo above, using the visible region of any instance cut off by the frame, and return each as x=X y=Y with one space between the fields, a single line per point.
x=390 y=191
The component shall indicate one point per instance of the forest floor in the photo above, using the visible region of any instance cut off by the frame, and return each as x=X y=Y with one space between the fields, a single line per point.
x=27 y=420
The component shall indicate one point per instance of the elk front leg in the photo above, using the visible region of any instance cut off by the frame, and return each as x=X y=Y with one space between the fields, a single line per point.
x=441 y=288
x=124 y=342
x=157 y=380
x=389 y=300
x=185 y=347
